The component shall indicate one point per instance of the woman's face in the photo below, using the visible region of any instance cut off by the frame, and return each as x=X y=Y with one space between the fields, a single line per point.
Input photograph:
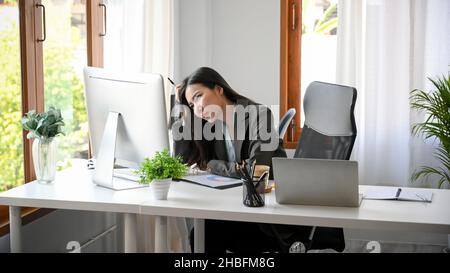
x=208 y=104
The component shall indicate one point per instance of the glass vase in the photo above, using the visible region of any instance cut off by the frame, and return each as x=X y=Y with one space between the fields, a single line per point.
x=44 y=159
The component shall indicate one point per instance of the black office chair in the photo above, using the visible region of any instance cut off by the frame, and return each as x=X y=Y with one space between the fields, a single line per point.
x=329 y=132
x=285 y=121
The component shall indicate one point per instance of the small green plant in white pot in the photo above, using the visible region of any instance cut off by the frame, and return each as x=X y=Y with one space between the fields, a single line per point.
x=43 y=128
x=159 y=171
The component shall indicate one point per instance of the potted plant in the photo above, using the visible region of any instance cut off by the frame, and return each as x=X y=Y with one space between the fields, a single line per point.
x=436 y=105
x=43 y=128
x=159 y=171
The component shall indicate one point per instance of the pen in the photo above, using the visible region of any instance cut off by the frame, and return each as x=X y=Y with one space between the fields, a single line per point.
x=398 y=193
x=170 y=81
x=262 y=178
x=253 y=168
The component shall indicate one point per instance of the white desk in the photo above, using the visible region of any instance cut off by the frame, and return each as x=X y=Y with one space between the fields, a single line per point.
x=74 y=190
x=193 y=201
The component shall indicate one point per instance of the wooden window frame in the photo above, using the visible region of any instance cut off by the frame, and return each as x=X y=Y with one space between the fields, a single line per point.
x=94 y=25
x=290 y=68
x=32 y=79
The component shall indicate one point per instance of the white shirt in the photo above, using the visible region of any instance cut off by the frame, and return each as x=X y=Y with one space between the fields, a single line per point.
x=231 y=154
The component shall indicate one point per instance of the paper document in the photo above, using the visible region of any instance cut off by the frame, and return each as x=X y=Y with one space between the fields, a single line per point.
x=402 y=194
x=212 y=181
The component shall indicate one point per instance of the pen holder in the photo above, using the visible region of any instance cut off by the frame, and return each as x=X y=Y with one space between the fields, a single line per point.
x=253 y=193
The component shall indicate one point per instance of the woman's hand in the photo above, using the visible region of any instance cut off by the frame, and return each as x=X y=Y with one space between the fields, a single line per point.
x=184 y=110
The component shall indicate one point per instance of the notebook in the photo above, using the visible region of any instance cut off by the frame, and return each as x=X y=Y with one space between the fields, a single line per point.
x=401 y=194
x=212 y=181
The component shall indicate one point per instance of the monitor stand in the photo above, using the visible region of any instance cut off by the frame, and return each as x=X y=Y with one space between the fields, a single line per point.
x=104 y=166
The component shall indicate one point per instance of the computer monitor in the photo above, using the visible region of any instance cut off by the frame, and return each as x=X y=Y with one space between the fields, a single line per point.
x=127 y=121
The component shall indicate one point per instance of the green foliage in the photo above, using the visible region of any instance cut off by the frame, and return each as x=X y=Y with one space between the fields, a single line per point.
x=436 y=105
x=64 y=87
x=325 y=24
x=65 y=90
x=161 y=166
x=11 y=144
x=10 y=2
x=43 y=125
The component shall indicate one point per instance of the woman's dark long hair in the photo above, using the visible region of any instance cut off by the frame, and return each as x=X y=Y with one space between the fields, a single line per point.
x=202 y=150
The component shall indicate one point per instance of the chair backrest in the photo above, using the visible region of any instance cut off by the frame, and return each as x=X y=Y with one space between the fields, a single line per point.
x=285 y=121
x=329 y=131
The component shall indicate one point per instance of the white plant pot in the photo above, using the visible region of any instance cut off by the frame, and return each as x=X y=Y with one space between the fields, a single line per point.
x=160 y=188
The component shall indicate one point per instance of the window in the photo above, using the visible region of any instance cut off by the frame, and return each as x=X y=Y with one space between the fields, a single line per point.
x=64 y=53
x=308 y=53
x=11 y=144
x=319 y=43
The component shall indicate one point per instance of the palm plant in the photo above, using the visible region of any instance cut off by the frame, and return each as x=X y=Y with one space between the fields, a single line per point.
x=436 y=105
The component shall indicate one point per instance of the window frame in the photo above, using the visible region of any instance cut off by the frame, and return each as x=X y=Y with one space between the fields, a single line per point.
x=290 y=68
x=32 y=79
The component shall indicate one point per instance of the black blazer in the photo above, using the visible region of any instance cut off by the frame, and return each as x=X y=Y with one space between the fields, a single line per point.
x=261 y=142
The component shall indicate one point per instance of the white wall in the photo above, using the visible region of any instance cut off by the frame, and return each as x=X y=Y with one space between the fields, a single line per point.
x=238 y=38
x=193 y=36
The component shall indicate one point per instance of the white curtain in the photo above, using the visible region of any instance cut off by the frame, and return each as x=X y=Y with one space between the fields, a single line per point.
x=386 y=49
x=124 y=40
x=140 y=39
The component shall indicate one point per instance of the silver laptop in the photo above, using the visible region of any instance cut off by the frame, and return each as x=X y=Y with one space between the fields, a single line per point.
x=318 y=182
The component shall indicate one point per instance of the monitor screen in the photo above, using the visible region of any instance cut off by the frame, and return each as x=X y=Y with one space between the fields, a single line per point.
x=139 y=99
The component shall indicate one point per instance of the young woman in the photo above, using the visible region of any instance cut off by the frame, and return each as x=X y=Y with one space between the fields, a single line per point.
x=220 y=128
